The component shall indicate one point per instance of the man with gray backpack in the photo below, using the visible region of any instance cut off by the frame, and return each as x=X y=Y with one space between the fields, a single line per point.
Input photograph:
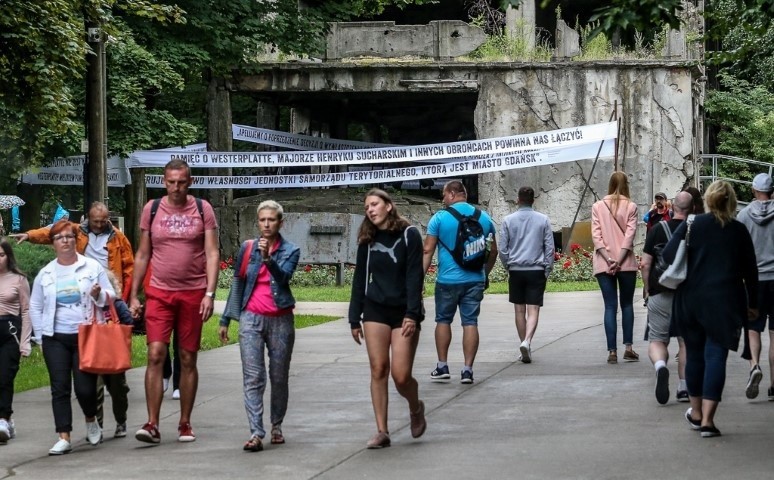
x=660 y=298
x=467 y=251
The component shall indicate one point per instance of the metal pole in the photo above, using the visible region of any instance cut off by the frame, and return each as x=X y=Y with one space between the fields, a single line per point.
x=585 y=189
x=96 y=170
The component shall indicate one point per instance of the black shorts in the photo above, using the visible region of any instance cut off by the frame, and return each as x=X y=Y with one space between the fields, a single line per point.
x=765 y=306
x=389 y=315
x=526 y=287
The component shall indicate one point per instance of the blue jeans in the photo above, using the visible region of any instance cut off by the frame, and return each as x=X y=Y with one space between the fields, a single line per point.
x=467 y=296
x=609 y=284
x=705 y=366
x=278 y=335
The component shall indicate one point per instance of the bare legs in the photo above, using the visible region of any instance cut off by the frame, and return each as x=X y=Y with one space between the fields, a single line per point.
x=381 y=340
x=157 y=352
x=526 y=320
x=189 y=381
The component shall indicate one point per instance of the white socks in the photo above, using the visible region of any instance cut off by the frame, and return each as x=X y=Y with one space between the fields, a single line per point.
x=659 y=364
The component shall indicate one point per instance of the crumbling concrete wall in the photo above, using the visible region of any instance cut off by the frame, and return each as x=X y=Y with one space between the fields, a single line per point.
x=237 y=222
x=656 y=144
x=440 y=39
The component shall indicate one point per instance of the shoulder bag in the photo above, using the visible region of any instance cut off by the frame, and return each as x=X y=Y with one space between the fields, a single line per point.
x=677 y=271
x=104 y=348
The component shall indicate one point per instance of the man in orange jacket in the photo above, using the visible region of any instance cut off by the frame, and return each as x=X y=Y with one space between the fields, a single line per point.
x=97 y=239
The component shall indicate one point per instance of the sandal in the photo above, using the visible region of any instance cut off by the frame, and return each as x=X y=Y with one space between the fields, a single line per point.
x=276 y=435
x=253 y=445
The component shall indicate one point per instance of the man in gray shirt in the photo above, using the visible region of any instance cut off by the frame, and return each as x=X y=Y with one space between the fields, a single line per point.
x=526 y=248
x=758 y=217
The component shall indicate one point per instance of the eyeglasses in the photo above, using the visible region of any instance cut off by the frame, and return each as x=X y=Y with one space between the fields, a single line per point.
x=64 y=237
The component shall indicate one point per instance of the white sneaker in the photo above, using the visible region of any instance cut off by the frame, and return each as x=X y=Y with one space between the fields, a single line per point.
x=93 y=433
x=526 y=352
x=61 y=447
x=12 y=428
x=176 y=394
x=5 y=430
x=165 y=384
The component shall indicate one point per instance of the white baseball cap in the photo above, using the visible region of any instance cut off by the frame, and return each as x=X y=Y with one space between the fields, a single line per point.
x=762 y=183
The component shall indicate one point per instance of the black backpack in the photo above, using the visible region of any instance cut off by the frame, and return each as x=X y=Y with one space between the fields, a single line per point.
x=659 y=264
x=471 y=250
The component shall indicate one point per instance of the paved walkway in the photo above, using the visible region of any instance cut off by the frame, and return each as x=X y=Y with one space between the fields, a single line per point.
x=567 y=415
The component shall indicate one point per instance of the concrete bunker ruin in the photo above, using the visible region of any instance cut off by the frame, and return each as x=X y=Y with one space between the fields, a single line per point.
x=392 y=98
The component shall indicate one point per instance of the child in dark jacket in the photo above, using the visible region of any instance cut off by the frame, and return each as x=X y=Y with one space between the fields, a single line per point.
x=116 y=383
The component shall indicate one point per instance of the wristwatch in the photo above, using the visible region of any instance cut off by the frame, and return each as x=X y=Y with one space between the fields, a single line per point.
x=210 y=294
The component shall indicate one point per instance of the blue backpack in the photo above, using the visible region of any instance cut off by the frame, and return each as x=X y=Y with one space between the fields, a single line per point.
x=471 y=249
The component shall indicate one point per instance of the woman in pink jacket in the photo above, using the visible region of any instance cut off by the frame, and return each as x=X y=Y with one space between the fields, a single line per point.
x=613 y=224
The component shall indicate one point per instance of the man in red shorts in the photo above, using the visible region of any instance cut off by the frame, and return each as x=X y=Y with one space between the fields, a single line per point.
x=179 y=244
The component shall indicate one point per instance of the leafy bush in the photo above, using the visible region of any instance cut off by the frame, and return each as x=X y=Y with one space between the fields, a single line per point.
x=320 y=275
x=31 y=258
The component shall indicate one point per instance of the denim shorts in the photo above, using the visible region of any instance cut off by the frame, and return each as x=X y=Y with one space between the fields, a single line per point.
x=467 y=296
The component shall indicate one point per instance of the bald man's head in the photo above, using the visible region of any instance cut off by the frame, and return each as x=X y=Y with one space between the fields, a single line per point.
x=682 y=204
x=99 y=217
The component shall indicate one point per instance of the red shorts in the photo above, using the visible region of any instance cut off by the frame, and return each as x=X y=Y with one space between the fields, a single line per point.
x=166 y=310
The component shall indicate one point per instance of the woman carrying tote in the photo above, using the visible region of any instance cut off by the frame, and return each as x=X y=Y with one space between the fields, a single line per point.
x=613 y=225
x=63 y=297
x=387 y=297
x=15 y=331
x=714 y=302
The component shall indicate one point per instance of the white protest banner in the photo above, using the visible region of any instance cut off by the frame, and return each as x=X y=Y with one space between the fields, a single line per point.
x=75 y=164
x=567 y=137
x=414 y=172
x=196 y=147
x=115 y=179
x=295 y=141
x=69 y=171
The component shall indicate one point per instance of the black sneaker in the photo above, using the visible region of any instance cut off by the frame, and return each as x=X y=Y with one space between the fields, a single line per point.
x=771 y=394
x=682 y=396
x=440 y=373
x=466 y=376
x=709 y=432
x=662 y=385
x=695 y=424
x=756 y=375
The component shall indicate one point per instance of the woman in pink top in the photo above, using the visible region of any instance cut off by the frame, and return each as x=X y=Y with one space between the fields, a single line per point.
x=15 y=332
x=613 y=224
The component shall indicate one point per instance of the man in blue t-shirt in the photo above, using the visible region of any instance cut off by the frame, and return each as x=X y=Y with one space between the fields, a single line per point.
x=455 y=286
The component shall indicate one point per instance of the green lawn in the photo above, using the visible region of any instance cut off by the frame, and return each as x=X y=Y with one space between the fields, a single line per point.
x=33 y=372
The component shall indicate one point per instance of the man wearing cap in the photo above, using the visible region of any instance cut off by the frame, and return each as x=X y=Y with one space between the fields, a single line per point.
x=659 y=211
x=758 y=217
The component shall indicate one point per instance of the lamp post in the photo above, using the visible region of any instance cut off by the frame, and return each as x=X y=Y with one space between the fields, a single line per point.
x=95 y=167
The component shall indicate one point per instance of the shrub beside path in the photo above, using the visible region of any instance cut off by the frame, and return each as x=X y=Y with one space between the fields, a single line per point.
x=567 y=415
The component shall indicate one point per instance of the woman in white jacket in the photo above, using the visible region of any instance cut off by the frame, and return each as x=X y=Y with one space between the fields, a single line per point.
x=63 y=296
